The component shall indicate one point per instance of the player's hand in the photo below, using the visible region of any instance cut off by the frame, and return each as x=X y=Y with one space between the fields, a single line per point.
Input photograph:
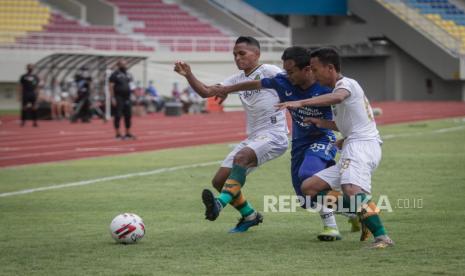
x=314 y=121
x=290 y=105
x=220 y=92
x=339 y=143
x=182 y=68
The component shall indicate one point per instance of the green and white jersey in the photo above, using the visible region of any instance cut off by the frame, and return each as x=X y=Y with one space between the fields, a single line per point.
x=354 y=116
x=259 y=104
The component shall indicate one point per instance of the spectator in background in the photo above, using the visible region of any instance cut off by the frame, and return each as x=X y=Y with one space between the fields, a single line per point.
x=121 y=87
x=27 y=94
x=175 y=92
x=139 y=100
x=66 y=102
x=153 y=97
x=83 y=83
x=59 y=104
x=196 y=102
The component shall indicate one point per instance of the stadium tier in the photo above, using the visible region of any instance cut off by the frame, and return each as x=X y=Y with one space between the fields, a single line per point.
x=160 y=20
x=444 y=14
x=30 y=24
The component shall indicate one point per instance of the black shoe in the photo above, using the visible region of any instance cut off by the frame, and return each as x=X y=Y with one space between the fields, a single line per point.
x=35 y=124
x=212 y=205
x=129 y=136
x=118 y=137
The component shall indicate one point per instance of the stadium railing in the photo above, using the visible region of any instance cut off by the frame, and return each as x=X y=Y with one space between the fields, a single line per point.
x=108 y=42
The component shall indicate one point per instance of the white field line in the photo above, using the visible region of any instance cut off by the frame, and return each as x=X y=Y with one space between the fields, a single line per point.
x=109 y=178
x=436 y=131
x=162 y=170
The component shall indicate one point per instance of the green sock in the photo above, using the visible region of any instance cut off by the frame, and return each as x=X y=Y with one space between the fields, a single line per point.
x=372 y=221
x=224 y=198
x=375 y=225
x=233 y=184
x=245 y=209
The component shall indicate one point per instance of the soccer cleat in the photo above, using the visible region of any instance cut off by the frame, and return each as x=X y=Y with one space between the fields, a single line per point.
x=243 y=225
x=329 y=234
x=382 y=242
x=212 y=205
x=355 y=224
x=129 y=136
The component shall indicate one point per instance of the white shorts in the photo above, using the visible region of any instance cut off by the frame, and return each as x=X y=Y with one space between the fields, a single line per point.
x=267 y=146
x=355 y=166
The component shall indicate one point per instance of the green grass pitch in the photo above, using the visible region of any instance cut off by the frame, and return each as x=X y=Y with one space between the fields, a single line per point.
x=65 y=231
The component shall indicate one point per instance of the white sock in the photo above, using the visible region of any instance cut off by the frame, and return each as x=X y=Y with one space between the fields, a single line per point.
x=251 y=216
x=327 y=216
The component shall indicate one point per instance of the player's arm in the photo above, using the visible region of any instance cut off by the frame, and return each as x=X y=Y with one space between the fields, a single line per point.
x=37 y=87
x=335 y=97
x=321 y=123
x=242 y=86
x=111 y=87
x=203 y=90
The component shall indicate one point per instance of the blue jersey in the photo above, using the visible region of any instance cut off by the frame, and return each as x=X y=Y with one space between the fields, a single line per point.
x=305 y=136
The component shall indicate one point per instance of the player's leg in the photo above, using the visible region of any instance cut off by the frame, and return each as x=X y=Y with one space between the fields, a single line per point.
x=34 y=107
x=117 y=117
x=310 y=166
x=24 y=109
x=266 y=148
x=220 y=178
x=127 y=119
x=359 y=161
x=243 y=159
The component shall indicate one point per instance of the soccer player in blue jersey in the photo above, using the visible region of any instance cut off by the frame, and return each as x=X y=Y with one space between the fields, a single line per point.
x=313 y=148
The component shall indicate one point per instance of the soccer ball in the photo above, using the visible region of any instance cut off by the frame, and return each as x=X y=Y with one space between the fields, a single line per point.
x=127 y=228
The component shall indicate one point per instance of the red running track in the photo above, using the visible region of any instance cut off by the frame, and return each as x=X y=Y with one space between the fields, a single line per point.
x=60 y=140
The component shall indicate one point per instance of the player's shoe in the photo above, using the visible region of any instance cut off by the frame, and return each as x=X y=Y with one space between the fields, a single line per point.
x=244 y=224
x=129 y=136
x=329 y=234
x=212 y=205
x=355 y=224
x=382 y=242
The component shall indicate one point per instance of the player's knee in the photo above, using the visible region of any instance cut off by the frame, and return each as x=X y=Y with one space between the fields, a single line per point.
x=308 y=188
x=243 y=159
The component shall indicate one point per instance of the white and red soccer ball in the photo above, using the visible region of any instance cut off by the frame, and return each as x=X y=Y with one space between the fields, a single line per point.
x=127 y=228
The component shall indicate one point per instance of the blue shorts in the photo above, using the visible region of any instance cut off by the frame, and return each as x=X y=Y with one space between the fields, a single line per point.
x=305 y=162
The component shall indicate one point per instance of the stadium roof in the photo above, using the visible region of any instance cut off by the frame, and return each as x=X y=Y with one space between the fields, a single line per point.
x=62 y=66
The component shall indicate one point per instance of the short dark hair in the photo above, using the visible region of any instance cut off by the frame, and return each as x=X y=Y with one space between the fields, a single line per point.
x=300 y=56
x=248 y=40
x=328 y=56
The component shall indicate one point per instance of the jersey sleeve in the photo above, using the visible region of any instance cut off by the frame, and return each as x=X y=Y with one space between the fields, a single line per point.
x=276 y=82
x=229 y=81
x=271 y=71
x=343 y=84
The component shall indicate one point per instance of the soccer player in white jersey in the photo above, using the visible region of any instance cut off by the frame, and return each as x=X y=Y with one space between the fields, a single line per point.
x=361 y=151
x=266 y=129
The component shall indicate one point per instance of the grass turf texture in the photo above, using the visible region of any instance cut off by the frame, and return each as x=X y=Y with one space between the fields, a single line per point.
x=65 y=231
